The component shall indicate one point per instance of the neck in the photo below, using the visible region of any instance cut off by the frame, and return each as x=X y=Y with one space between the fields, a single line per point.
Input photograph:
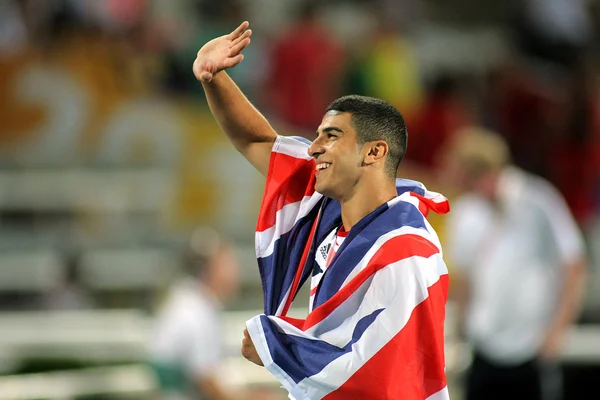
x=366 y=199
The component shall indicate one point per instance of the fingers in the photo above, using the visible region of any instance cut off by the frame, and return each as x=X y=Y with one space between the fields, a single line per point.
x=238 y=31
x=245 y=350
x=233 y=61
x=243 y=36
x=246 y=345
x=237 y=49
x=249 y=351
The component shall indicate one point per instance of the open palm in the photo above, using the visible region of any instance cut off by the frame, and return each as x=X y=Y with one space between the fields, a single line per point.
x=221 y=53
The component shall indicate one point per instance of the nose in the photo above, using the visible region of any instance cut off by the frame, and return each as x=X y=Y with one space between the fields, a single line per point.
x=316 y=149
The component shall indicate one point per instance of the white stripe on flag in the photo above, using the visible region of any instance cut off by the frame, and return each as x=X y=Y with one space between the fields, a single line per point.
x=285 y=219
x=441 y=395
x=292 y=147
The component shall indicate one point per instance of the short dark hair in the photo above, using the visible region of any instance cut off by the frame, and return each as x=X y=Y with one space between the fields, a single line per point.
x=376 y=119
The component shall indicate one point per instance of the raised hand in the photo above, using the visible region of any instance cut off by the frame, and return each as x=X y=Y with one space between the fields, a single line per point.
x=221 y=53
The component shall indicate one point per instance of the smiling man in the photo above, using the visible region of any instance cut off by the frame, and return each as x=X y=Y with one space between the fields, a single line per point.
x=333 y=211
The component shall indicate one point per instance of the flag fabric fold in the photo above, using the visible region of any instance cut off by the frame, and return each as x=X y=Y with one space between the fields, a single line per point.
x=376 y=326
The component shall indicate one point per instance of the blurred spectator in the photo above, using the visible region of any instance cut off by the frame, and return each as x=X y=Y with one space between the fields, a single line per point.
x=518 y=261
x=388 y=69
x=306 y=71
x=187 y=345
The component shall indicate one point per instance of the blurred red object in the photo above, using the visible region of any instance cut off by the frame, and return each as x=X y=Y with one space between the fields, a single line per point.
x=126 y=12
x=306 y=66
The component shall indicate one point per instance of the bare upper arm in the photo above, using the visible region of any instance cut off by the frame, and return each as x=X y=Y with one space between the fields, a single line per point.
x=259 y=154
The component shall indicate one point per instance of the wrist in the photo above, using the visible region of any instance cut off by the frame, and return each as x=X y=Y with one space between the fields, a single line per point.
x=217 y=77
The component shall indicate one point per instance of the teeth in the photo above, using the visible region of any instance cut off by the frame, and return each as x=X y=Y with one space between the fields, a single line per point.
x=322 y=166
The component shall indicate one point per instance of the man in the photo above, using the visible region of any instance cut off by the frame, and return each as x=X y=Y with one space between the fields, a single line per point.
x=186 y=344
x=334 y=212
x=518 y=258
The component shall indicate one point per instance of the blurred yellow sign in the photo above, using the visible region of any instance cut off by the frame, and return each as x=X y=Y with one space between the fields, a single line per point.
x=90 y=104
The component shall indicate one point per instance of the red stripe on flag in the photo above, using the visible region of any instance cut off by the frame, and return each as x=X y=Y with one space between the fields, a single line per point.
x=443 y=207
x=411 y=365
x=395 y=249
x=293 y=321
x=289 y=180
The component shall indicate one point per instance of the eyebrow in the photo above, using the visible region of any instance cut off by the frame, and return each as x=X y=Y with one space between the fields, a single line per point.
x=331 y=129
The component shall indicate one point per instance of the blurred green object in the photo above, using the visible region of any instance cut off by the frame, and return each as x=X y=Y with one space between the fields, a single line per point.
x=170 y=377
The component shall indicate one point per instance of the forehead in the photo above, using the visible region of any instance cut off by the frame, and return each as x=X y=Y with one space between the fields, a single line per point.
x=338 y=120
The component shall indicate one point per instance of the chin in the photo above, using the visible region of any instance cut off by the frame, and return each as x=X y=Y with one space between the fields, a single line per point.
x=320 y=188
x=325 y=191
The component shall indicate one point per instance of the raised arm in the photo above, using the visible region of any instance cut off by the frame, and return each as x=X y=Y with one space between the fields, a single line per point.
x=246 y=127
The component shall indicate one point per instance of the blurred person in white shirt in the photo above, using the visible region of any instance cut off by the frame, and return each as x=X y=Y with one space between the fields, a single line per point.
x=187 y=342
x=518 y=259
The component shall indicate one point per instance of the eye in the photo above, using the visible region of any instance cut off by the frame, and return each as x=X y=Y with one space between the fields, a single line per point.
x=331 y=136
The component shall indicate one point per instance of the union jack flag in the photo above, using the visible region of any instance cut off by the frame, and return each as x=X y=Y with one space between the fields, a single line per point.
x=376 y=328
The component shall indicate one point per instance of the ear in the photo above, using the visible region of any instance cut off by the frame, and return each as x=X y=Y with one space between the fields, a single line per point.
x=375 y=152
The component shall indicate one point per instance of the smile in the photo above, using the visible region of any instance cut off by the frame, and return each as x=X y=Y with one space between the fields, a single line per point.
x=322 y=166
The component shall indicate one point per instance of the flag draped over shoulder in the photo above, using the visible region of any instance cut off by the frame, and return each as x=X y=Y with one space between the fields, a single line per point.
x=376 y=330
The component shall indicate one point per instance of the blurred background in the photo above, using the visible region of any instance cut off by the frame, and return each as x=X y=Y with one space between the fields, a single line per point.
x=110 y=159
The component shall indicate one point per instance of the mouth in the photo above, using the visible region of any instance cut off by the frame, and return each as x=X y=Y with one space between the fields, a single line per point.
x=322 y=167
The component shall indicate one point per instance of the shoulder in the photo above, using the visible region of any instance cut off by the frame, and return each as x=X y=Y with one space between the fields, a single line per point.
x=407 y=226
x=404 y=213
x=538 y=193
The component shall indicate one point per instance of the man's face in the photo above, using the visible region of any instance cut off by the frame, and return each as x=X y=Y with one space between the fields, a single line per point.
x=337 y=156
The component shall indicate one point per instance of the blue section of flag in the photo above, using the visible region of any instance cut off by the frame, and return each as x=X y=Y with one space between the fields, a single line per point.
x=301 y=357
x=279 y=268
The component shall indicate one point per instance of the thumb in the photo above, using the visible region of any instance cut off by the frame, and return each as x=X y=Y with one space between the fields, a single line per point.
x=206 y=76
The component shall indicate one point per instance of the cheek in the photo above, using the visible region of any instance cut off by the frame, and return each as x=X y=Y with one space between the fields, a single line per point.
x=350 y=166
